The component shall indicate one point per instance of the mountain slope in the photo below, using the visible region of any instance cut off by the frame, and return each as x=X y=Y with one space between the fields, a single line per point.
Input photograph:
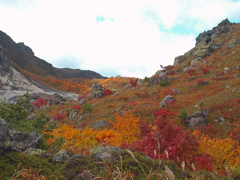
x=24 y=57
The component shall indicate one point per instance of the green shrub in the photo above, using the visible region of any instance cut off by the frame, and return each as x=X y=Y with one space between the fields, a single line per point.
x=164 y=82
x=87 y=108
x=183 y=114
x=68 y=111
x=13 y=162
x=15 y=116
x=146 y=79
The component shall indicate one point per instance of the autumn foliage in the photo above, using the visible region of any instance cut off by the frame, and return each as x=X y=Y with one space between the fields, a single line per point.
x=226 y=152
x=165 y=140
x=39 y=103
x=126 y=129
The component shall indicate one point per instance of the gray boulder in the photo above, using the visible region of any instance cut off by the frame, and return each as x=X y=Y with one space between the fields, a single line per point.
x=5 y=143
x=97 y=91
x=166 y=100
x=197 y=119
x=104 y=153
x=22 y=141
x=60 y=157
x=55 y=99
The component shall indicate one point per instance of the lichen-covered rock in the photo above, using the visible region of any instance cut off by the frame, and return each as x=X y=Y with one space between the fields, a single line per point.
x=97 y=91
x=55 y=99
x=98 y=124
x=197 y=119
x=166 y=101
x=104 y=153
x=22 y=141
x=60 y=157
x=33 y=151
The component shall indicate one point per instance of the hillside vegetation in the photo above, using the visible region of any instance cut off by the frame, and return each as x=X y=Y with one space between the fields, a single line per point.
x=160 y=141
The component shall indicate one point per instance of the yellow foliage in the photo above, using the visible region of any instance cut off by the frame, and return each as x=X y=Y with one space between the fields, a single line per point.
x=226 y=152
x=125 y=130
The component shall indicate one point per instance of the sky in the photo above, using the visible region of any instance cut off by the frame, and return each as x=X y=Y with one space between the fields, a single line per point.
x=129 y=38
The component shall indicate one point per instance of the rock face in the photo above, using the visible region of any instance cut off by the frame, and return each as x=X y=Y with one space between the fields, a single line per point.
x=5 y=63
x=97 y=91
x=206 y=44
x=5 y=143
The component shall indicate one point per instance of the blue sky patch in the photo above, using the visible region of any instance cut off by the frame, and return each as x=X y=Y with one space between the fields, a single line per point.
x=100 y=19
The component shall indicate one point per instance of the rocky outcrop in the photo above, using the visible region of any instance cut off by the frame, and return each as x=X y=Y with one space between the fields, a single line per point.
x=26 y=49
x=158 y=77
x=97 y=91
x=5 y=63
x=206 y=43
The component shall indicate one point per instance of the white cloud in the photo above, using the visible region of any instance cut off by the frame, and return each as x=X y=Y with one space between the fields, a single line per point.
x=135 y=38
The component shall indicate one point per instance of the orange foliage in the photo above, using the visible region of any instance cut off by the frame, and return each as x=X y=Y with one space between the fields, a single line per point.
x=226 y=152
x=125 y=130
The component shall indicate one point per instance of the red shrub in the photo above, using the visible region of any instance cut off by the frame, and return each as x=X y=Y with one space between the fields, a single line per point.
x=65 y=107
x=171 y=73
x=168 y=92
x=58 y=116
x=77 y=107
x=169 y=67
x=204 y=70
x=80 y=97
x=192 y=72
x=40 y=102
x=107 y=92
x=166 y=140
x=199 y=81
x=131 y=102
x=134 y=82
x=204 y=161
